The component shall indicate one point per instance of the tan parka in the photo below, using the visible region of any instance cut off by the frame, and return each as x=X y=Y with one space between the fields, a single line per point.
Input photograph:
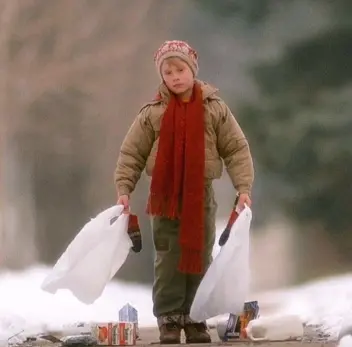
x=224 y=142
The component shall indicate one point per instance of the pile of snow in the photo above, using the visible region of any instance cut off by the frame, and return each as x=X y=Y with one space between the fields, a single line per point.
x=326 y=302
x=346 y=341
x=24 y=306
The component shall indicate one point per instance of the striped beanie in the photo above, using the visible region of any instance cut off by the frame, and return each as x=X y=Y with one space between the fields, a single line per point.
x=179 y=49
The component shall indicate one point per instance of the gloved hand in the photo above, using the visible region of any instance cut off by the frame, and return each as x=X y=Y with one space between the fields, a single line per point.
x=134 y=233
x=226 y=233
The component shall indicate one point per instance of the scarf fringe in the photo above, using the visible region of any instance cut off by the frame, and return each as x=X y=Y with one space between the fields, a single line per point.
x=191 y=261
x=161 y=207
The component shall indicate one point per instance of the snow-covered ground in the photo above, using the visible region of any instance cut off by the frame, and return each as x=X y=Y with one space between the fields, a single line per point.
x=23 y=305
x=327 y=302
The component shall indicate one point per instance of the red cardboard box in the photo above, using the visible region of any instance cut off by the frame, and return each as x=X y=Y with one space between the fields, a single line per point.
x=115 y=334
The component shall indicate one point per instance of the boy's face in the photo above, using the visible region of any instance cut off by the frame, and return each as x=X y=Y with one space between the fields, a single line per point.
x=177 y=75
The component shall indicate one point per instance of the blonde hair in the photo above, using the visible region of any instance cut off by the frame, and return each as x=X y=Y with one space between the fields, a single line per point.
x=174 y=61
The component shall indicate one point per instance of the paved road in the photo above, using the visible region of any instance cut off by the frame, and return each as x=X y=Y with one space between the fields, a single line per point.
x=151 y=336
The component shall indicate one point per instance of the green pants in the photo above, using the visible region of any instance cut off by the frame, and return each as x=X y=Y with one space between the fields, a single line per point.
x=173 y=291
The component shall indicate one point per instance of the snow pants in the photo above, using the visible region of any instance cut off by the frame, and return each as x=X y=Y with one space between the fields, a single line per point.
x=173 y=291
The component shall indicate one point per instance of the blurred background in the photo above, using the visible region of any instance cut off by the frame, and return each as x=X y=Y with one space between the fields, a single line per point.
x=75 y=73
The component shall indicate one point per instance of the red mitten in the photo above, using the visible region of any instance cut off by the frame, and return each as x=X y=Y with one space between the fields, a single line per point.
x=134 y=233
x=226 y=233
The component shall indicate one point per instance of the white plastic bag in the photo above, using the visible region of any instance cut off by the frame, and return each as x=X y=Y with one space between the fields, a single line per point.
x=225 y=285
x=93 y=257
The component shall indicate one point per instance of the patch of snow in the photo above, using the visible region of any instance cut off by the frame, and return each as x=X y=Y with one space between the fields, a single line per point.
x=346 y=341
x=24 y=305
x=326 y=302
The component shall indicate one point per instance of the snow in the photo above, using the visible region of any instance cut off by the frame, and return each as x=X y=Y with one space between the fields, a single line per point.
x=24 y=306
x=327 y=302
x=346 y=341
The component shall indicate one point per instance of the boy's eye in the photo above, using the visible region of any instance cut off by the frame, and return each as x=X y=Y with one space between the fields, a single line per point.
x=167 y=72
x=180 y=70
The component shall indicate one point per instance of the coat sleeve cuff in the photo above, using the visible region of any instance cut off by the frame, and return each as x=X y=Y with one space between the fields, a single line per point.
x=123 y=190
x=243 y=190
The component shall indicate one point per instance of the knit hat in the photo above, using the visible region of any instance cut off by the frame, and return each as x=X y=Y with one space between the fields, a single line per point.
x=176 y=48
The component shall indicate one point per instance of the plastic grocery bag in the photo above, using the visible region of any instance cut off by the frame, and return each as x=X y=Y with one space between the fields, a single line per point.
x=225 y=285
x=93 y=257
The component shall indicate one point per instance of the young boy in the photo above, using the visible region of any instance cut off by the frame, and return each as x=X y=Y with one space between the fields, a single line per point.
x=182 y=138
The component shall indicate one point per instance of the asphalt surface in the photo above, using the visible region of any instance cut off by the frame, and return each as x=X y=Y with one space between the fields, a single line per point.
x=150 y=336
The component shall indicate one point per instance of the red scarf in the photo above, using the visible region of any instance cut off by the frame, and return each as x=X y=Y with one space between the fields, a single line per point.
x=177 y=188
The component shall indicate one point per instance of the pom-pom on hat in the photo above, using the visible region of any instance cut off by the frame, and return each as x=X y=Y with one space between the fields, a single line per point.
x=176 y=48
